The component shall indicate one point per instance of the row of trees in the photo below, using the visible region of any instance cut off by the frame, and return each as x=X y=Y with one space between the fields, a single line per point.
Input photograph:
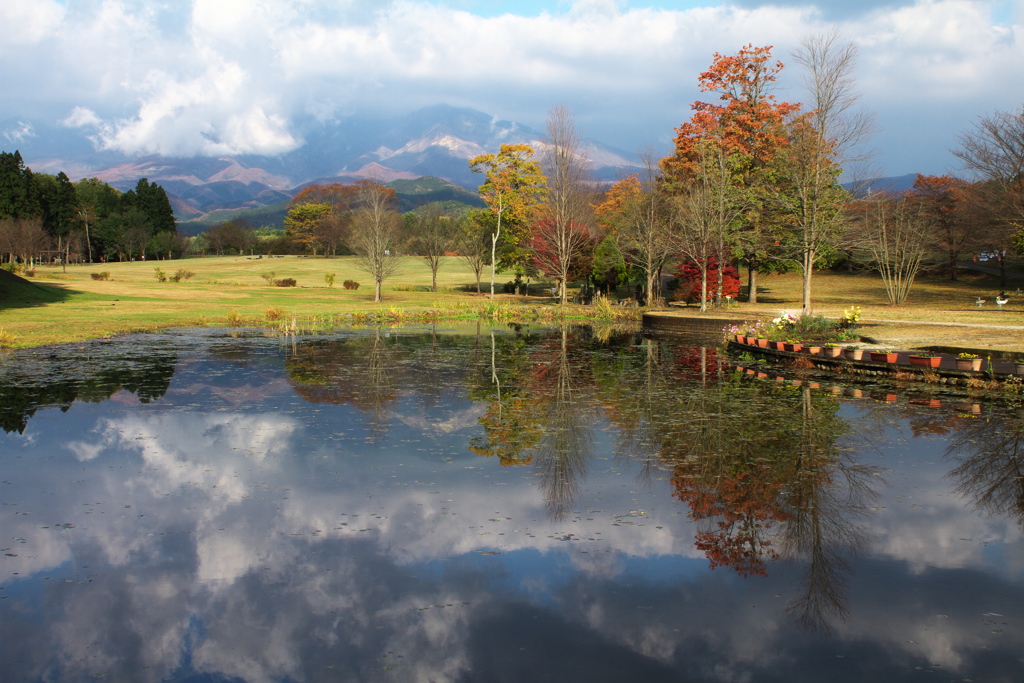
x=361 y=219
x=755 y=182
x=751 y=180
x=49 y=217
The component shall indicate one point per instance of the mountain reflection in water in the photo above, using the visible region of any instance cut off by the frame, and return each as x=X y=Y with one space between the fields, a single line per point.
x=492 y=504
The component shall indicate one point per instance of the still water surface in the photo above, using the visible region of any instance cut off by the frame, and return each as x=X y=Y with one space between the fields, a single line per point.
x=494 y=505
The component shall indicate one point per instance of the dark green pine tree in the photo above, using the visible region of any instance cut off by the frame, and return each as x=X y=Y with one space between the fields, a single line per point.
x=18 y=194
x=58 y=200
x=153 y=201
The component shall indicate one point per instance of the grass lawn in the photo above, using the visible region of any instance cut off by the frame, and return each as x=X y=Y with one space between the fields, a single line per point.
x=63 y=307
x=71 y=306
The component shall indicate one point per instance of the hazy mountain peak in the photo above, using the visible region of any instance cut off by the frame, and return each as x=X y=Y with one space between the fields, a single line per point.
x=432 y=141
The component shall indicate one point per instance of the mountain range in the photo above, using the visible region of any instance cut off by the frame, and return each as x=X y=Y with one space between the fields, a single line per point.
x=433 y=141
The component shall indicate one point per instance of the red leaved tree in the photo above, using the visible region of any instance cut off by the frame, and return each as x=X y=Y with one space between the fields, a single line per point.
x=563 y=251
x=691 y=276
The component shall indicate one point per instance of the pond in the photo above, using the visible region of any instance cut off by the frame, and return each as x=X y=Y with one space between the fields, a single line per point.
x=496 y=504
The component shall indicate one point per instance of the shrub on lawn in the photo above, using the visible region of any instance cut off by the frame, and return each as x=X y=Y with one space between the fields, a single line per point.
x=104 y=275
x=350 y=284
x=285 y=282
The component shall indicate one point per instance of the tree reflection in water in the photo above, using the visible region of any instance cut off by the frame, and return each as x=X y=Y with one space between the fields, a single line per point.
x=246 y=513
x=91 y=372
x=763 y=467
x=991 y=475
x=512 y=423
x=567 y=441
x=359 y=371
x=827 y=492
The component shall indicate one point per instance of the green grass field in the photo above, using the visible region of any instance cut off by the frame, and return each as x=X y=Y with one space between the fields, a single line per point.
x=63 y=307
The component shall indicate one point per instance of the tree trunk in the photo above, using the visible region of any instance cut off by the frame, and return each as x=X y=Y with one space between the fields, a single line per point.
x=494 y=248
x=751 y=285
x=704 y=286
x=808 y=272
x=720 y=284
x=376 y=291
x=650 y=287
x=952 y=266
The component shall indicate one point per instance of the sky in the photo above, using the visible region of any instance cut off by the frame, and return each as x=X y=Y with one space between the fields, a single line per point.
x=229 y=77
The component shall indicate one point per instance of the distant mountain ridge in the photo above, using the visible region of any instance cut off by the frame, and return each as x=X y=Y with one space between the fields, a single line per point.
x=409 y=194
x=434 y=141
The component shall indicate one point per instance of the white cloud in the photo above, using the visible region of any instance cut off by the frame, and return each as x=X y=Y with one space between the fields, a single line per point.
x=30 y=21
x=19 y=132
x=233 y=77
x=80 y=117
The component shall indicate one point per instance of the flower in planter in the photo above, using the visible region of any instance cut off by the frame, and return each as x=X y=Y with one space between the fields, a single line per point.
x=851 y=316
x=968 y=356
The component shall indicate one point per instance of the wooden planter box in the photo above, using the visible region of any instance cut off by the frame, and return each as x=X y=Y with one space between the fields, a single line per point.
x=854 y=354
x=832 y=351
x=793 y=347
x=777 y=345
x=1018 y=368
x=883 y=357
x=968 y=364
x=926 y=361
x=812 y=349
x=762 y=343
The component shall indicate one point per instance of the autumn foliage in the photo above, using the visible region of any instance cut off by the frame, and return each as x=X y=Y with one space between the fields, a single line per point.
x=747 y=121
x=689 y=275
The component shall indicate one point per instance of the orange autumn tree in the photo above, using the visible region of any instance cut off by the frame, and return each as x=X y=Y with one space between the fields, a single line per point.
x=942 y=202
x=329 y=225
x=749 y=121
x=746 y=132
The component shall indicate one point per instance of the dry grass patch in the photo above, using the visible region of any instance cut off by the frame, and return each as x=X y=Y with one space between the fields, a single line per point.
x=222 y=286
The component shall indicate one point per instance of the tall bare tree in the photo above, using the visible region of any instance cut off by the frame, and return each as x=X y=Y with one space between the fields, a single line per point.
x=993 y=151
x=563 y=233
x=376 y=234
x=822 y=143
